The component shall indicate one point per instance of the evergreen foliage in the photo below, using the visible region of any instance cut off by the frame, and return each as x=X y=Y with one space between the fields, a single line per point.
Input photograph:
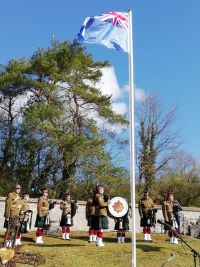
x=54 y=138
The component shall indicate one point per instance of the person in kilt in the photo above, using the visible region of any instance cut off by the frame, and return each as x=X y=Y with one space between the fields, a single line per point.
x=68 y=211
x=100 y=220
x=168 y=214
x=122 y=225
x=22 y=217
x=13 y=207
x=90 y=211
x=145 y=210
x=42 y=212
x=12 y=203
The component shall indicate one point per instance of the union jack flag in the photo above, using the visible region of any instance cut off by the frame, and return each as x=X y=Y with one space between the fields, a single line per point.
x=116 y=18
x=109 y=29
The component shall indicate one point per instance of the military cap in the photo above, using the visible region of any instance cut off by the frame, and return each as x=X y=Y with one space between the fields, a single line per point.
x=100 y=185
x=169 y=193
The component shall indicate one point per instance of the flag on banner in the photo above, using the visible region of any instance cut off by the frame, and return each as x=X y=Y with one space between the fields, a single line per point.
x=109 y=29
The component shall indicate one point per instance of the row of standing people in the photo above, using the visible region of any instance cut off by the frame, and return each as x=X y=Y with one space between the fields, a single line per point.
x=18 y=207
x=171 y=213
x=96 y=215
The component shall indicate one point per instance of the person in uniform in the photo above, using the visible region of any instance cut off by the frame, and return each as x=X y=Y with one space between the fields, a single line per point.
x=146 y=206
x=100 y=220
x=90 y=211
x=68 y=211
x=167 y=209
x=11 y=204
x=122 y=225
x=42 y=212
x=23 y=217
x=177 y=213
x=13 y=207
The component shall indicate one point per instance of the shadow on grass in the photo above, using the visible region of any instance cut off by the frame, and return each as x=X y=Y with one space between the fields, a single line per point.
x=105 y=239
x=56 y=245
x=142 y=241
x=84 y=238
x=27 y=239
x=114 y=240
x=147 y=248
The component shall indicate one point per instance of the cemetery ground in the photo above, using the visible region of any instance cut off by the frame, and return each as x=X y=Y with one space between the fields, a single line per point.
x=78 y=252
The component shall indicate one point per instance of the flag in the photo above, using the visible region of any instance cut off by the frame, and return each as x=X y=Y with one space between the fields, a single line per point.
x=109 y=29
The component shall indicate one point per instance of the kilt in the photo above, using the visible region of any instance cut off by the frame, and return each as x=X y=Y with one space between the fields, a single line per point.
x=90 y=218
x=41 y=222
x=5 y=225
x=64 y=221
x=23 y=228
x=99 y=222
x=124 y=223
x=146 y=221
x=7 y=222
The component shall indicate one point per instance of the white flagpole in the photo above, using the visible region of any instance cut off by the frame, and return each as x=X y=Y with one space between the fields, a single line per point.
x=132 y=138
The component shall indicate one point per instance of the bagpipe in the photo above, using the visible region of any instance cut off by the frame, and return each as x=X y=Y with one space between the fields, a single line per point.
x=69 y=213
x=176 y=207
x=151 y=216
x=25 y=221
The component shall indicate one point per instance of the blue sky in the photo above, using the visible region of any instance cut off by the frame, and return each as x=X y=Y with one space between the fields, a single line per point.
x=166 y=46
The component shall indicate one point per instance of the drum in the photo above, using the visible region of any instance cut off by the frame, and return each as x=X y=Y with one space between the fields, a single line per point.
x=118 y=207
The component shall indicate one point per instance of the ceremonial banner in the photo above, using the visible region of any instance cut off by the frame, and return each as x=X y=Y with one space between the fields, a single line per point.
x=110 y=30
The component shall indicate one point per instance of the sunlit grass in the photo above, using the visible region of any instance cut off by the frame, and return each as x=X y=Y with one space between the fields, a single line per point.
x=158 y=253
x=79 y=253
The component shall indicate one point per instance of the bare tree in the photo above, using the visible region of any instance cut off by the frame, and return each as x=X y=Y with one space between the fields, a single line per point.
x=157 y=139
x=186 y=169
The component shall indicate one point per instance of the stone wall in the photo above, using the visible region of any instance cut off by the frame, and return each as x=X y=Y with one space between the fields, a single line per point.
x=80 y=222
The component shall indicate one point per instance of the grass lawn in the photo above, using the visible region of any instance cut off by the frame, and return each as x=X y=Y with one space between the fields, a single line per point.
x=78 y=252
x=157 y=253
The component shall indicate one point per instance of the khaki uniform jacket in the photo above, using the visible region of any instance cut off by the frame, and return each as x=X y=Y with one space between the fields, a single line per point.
x=25 y=205
x=145 y=205
x=167 y=209
x=13 y=205
x=65 y=207
x=90 y=208
x=42 y=206
x=100 y=205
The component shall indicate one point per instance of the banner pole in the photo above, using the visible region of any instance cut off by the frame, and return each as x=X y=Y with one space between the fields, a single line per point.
x=132 y=138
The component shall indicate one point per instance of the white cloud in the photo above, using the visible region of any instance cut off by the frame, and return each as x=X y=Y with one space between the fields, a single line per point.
x=120 y=108
x=140 y=95
x=125 y=88
x=109 y=84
